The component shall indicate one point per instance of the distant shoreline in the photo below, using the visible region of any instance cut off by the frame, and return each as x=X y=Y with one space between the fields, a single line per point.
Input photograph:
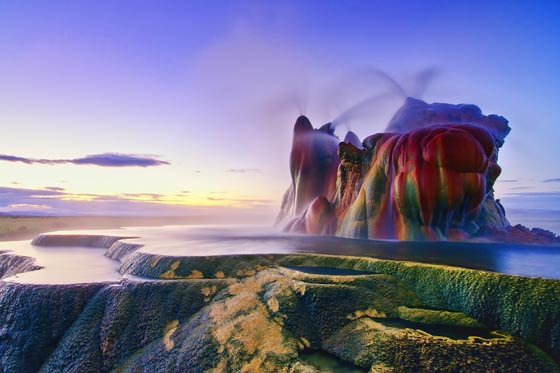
x=24 y=227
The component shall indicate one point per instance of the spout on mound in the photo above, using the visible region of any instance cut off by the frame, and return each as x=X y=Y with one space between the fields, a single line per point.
x=429 y=177
x=313 y=168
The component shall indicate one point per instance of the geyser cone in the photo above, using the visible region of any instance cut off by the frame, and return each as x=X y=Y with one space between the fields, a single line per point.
x=352 y=138
x=430 y=176
x=313 y=163
x=302 y=125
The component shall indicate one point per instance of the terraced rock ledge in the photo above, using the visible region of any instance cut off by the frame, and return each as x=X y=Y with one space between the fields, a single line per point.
x=251 y=313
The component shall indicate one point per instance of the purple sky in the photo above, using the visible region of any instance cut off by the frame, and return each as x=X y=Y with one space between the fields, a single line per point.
x=209 y=92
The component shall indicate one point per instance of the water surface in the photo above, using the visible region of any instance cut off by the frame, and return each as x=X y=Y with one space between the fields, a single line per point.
x=78 y=264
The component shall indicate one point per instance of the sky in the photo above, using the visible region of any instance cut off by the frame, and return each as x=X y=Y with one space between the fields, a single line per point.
x=187 y=107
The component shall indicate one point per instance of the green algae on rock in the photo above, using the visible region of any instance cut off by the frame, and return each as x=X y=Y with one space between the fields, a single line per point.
x=263 y=319
x=265 y=312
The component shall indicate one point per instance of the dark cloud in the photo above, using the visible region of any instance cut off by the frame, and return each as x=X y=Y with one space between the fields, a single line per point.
x=508 y=180
x=120 y=160
x=557 y=180
x=245 y=170
x=103 y=160
x=11 y=158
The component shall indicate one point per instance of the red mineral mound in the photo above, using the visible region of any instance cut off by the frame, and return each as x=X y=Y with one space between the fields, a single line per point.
x=430 y=177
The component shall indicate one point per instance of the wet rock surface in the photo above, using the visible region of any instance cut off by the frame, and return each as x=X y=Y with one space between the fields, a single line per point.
x=34 y=320
x=12 y=264
x=266 y=312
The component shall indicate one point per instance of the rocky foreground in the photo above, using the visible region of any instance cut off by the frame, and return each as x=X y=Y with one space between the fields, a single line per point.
x=265 y=313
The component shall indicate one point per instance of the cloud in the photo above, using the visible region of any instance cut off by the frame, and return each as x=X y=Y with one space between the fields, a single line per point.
x=531 y=200
x=531 y=217
x=148 y=195
x=244 y=201
x=103 y=160
x=509 y=181
x=19 y=201
x=533 y=209
x=535 y=194
x=59 y=202
x=120 y=160
x=557 y=180
x=6 y=192
x=245 y=170
x=26 y=206
x=55 y=189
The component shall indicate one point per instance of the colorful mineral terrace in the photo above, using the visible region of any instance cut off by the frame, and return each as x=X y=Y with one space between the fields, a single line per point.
x=430 y=176
x=183 y=301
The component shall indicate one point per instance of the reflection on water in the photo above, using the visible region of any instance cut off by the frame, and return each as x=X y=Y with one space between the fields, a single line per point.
x=73 y=264
x=449 y=331
x=329 y=271
x=64 y=265
x=523 y=260
x=327 y=363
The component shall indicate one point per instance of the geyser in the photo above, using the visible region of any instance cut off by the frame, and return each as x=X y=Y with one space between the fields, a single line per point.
x=429 y=177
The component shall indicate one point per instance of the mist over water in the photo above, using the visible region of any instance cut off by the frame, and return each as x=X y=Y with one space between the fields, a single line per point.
x=64 y=265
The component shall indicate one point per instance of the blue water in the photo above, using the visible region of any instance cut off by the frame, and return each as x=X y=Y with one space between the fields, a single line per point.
x=69 y=265
x=515 y=259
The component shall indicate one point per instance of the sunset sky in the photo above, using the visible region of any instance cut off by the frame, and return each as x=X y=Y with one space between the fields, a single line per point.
x=183 y=107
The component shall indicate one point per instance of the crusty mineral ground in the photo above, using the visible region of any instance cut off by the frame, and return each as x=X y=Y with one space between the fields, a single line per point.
x=270 y=312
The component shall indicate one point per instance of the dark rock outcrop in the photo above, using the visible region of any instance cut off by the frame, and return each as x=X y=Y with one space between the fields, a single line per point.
x=12 y=264
x=34 y=320
x=140 y=324
x=520 y=233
